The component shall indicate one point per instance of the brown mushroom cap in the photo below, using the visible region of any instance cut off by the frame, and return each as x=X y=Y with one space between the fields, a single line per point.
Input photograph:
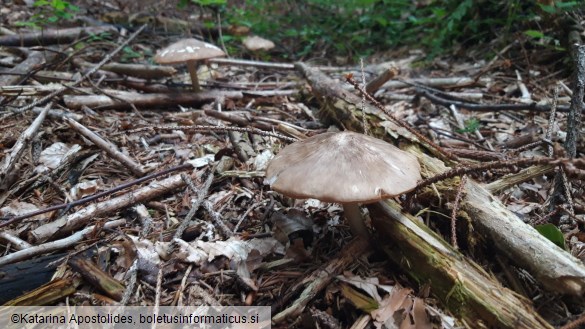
x=343 y=167
x=187 y=50
x=254 y=43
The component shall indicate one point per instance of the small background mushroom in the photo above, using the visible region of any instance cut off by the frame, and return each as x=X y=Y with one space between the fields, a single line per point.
x=257 y=45
x=191 y=52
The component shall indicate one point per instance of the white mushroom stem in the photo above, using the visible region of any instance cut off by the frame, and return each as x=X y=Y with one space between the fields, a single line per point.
x=355 y=220
x=192 y=68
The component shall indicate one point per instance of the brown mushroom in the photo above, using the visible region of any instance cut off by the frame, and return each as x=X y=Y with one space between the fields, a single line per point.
x=189 y=51
x=347 y=168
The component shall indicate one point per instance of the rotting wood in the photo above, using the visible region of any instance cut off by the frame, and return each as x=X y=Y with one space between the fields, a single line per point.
x=342 y=107
x=462 y=285
x=17 y=279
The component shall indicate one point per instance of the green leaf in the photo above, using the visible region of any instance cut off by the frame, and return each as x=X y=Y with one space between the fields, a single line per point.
x=552 y=233
x=534 y=34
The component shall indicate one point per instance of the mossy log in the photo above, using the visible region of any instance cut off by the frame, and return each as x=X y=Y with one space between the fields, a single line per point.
x=460 y=284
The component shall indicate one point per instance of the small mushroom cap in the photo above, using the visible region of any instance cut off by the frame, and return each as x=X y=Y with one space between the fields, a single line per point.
x=255 y=43
x=186 y=50
x=343 y=167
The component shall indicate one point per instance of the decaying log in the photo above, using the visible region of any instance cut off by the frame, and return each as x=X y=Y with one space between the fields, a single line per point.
x=342 y=107
x=123 y=99
x=462 y=285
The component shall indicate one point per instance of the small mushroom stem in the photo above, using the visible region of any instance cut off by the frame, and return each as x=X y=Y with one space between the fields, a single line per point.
x=192 y=67
x=355 y=220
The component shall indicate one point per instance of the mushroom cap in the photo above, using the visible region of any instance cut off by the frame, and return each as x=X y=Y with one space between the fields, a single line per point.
x=343 y=167
x=187 y=50
x=254 y=43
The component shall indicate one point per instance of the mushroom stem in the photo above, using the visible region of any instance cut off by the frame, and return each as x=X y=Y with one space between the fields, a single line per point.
x=192 y=67
x=355 y=219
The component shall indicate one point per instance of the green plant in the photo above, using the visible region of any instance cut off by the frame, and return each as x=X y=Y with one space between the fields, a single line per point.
x=51 y=11
x=357 y=28
x=471 y=125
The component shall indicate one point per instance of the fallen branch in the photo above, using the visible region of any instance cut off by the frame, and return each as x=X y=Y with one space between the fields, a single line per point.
x=123 y=99
x=51 y=36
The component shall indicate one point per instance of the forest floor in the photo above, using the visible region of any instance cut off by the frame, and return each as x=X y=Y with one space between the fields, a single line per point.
x=121 y=185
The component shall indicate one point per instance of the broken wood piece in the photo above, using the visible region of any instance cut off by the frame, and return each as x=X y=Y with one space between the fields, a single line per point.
x=381 y=79
x=108 y=147
x=13 y=240
x=451 y=82
x=462 y=285
x=27 y=275
x=514 y=179
x=59 y=114
x=122 y=99
x=47 y=37
x=97 y=278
